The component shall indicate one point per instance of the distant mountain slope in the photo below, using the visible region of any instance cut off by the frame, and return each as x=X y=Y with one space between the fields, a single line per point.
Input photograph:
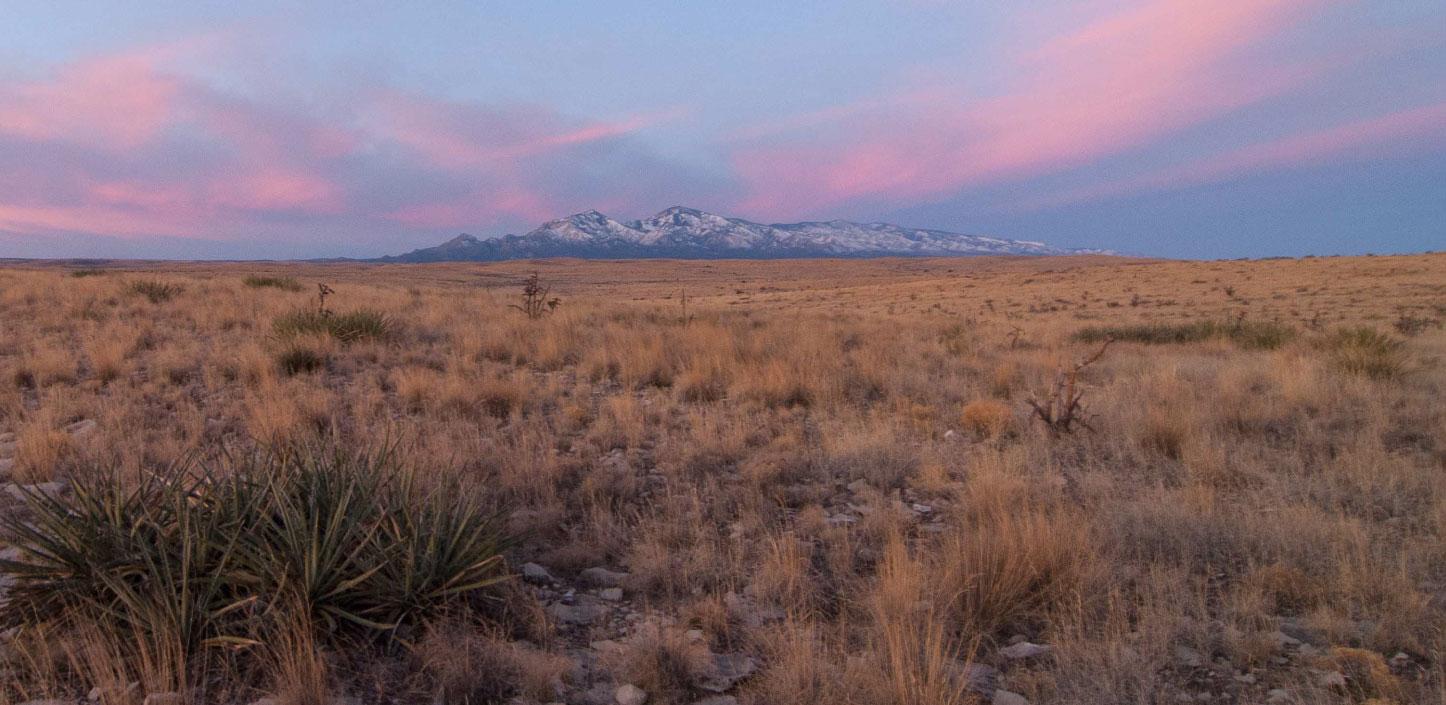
x=692 y=234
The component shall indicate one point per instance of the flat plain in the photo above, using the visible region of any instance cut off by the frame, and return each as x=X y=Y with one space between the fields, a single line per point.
x=1044 y=480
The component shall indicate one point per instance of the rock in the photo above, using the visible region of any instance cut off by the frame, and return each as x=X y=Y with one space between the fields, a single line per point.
x=978 y=678
x=49 y=489
x=717 y=700
x=1188 y=656
x=1333 y=679
x=921 y=508
x=1277 y=695
x=81 y=429
x=576 y=614
x=1246 y=678
x=612 y=594
x=7 y=465
x=1004 y=697
x=1024 y=650
x=7 y=438
x=535 y=573
x=163 y=698
x=602 y=577
x=1283 y=640
x=725 y=671
x=629 y=694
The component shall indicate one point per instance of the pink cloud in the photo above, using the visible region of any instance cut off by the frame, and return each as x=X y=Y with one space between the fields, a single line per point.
x=1407 y=130
x=1113 y=84
x=115 y=102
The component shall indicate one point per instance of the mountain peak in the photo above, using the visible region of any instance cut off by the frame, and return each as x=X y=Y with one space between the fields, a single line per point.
x=682 y=232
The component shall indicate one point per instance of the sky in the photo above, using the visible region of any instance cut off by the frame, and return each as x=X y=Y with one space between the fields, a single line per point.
x=1177 y=128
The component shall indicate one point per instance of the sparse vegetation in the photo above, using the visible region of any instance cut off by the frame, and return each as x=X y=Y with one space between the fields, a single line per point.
x=349 y=327
x=283 y=283
x=1251 y=335
x=155 y=291
x=1366 y=351
x=537 y=299
x=193 y=565
x=828 y=486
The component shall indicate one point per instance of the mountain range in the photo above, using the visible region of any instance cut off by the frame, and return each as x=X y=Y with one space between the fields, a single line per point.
x=686 y=233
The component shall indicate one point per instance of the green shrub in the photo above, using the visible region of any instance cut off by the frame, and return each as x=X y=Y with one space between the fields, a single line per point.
x=343 y=541
x=1365 y=351
x=283 y=283
x=1252 y=335
x=351 y=326
x=155 y=291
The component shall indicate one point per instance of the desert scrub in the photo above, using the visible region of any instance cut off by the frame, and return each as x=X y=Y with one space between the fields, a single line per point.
x=198 y=560
x=1251 y=335
x=295 y=358
x=282 y=283
x=89 y=272
x=360 y=324
x=1366 y=351
x=155 y=291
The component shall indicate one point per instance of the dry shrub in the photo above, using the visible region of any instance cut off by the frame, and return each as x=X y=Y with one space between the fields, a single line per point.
x=784 y=576
x=40 y=448
x=986 y=418
x=466 y=665
x=1166 y=430
x=1286 y=589
x=1367 y=675
x=107 y=354
x=1011 y=569
x=663 y=661
x=921 y=659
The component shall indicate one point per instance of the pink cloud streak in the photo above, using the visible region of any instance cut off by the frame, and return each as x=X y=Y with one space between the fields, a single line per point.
x=1413 y=129
x=1119 y=82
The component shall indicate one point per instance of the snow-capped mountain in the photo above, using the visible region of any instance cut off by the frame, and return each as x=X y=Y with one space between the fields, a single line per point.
x=692 y=234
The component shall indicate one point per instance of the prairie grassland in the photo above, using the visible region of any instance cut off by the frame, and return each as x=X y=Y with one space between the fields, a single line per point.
x=803 y=482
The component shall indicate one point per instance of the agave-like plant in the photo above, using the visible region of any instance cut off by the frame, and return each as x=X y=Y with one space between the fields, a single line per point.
x=196 y=559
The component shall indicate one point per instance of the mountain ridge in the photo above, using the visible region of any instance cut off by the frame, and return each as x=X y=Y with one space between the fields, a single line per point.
x=688 y=233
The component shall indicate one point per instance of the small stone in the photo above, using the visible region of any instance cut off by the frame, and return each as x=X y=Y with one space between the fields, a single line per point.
x=81 y=429
x=1004 y=697
x=576 y=614
x=978 y=678
x=1024 y=650
x=1188 y=656
x=1277 y=695
x=535 y=573
x=611 y=594
x=1246 y=678
x=20 y=492
x=602 y=577
x=1333 y=679
x=727 y=670
x=921 y=508
x=1283 y=640
x=717 y=700
x=629 y=694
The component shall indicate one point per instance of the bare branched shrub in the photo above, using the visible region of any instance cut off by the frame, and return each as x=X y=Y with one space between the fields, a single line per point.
x=1061 y=409
x=535 y=298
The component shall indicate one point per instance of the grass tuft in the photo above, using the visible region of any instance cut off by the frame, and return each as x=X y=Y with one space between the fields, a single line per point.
x=1367 y=352
x=1251 y=335
x=352 y=326
x=155 y=291
x=283 y=283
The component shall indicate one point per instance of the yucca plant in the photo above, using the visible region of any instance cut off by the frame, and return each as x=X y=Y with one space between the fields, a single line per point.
x=192 y=559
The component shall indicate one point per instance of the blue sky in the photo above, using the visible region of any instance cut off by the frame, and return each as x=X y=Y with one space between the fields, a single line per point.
x=1188 y=128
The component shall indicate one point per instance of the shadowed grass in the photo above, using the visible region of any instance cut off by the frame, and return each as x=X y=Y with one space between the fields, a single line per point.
x=361 y=324
x=283 y=283
x=1252 y=335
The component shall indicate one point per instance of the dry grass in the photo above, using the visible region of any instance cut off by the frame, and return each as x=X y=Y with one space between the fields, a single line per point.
x=830 y=466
